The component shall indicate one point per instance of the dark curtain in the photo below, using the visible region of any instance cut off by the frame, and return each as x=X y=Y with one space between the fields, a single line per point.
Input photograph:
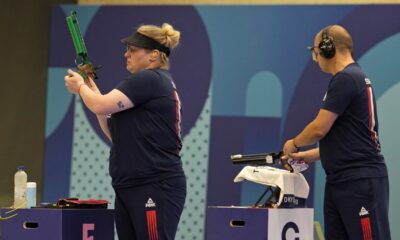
x=24 y=40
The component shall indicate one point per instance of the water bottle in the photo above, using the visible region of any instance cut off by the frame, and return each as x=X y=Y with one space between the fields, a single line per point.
x=20 y=180
x=31 y=194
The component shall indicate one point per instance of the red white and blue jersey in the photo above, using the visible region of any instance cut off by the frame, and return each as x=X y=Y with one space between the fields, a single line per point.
x=146 y=139
x=351 y=149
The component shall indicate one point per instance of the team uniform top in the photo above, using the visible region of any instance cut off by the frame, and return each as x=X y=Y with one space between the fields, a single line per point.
x=351 y=149
x=146 y=139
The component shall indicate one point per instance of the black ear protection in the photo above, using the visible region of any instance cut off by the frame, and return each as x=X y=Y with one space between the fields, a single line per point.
x=326 y=46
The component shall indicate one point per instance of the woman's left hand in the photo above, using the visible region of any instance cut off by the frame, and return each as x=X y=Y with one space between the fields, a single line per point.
x=73 y=81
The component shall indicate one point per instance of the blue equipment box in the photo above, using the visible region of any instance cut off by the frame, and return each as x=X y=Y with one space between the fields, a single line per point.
x=57 y=224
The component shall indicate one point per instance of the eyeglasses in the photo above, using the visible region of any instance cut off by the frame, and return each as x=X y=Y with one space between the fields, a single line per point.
x=314 y=54
x=130 y=48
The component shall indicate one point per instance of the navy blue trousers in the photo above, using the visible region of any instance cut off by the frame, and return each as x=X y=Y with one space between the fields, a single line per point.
x=151 y=211
x=357 y=210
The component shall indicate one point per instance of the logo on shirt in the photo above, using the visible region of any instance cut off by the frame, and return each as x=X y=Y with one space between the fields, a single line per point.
x=150 y=203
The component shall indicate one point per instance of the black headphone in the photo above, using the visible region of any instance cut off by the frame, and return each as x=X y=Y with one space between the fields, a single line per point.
x=326 y=46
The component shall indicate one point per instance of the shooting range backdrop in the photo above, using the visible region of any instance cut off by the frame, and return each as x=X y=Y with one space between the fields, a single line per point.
x=247 y=83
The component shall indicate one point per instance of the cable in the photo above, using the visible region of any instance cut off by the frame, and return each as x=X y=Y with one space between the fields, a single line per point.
x=13 y=209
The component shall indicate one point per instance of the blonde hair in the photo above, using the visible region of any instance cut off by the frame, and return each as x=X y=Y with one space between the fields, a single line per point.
x=166 y=35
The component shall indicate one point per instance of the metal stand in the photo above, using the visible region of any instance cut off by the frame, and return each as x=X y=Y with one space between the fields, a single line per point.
x=272 y=199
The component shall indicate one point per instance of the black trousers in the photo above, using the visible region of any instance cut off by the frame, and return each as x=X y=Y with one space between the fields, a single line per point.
x=357 y=210
x=151 y=211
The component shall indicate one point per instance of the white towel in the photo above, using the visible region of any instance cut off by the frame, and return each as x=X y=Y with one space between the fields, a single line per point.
x=289 y=183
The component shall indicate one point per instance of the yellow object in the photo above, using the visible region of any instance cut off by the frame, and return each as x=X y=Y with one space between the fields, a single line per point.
x=318 y=233
x=11 y=216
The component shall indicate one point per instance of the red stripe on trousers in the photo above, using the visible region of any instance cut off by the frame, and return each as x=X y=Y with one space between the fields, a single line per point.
x=366 y=228
x=152 y=224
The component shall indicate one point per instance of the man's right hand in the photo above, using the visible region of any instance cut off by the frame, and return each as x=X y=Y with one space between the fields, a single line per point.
x=289 y=147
